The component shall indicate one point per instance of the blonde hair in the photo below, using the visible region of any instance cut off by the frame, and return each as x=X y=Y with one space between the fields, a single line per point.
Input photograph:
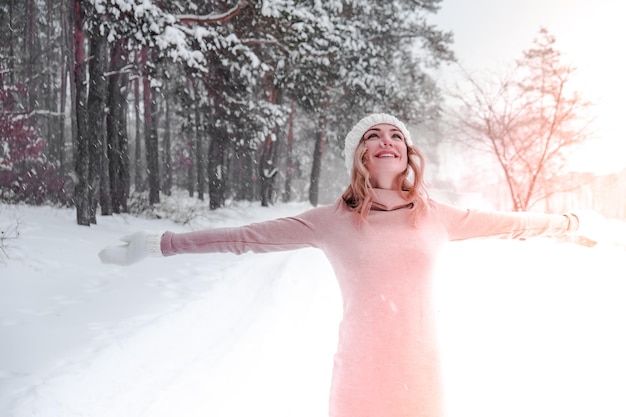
x=359 y=194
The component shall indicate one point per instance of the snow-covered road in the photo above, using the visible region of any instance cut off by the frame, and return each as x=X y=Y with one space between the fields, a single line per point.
x=527 y=328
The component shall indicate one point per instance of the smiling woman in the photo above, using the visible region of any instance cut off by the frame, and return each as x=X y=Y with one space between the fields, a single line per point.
x=382 y=238
x=360 y=146
x=385 y=155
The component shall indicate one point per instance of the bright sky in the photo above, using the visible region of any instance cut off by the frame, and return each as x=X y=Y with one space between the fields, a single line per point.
x=589 y=33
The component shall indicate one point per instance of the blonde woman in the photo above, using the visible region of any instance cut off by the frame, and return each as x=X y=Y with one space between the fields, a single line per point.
x=381 y=237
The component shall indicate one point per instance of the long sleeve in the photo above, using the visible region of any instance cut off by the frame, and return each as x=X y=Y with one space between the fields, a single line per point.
x=275 y=235
x=465 y=224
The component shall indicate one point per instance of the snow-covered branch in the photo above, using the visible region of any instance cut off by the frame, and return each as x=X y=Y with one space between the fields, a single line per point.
x=213 y=17
x=124 y=70
x=19 y=115
x=273 y=42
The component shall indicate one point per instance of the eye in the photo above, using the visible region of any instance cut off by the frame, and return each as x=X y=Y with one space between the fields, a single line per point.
x=397 y=136
x=371 y=136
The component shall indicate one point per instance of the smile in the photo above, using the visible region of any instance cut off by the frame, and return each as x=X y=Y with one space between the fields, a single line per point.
x=386 y=154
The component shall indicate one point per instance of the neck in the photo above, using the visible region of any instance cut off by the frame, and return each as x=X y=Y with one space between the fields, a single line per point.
x=386 y=182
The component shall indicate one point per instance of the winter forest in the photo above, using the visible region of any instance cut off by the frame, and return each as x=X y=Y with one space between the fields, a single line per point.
x=106 y=100
x=107 y=105
x=127 y=115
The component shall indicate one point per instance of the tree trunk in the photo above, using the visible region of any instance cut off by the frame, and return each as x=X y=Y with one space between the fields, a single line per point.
x=268 y=163
x=71 y=65
x=199 y=149
x=167 y=146
x=289 y=171
x=30 y=40
x=187 y=132
x=190 y=171
x=59 y=147
x=81 y=156
x=217 y=171
x=268 y=170
x=12 y=40
x=318 y=153
x=139 y=179
x=244 y=173
x=50 y=44
x=117 y=143
x=96 y=107
x=151 y=133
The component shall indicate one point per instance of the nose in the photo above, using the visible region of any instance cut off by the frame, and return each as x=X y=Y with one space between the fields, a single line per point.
x=385 y=140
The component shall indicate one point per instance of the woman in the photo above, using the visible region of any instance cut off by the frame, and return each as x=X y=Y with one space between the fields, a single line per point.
x=382 y=238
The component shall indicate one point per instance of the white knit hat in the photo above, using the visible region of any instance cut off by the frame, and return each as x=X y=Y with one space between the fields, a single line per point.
x=354 y=136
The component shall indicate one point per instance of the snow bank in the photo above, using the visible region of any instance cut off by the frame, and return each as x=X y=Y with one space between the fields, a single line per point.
x=527 y=328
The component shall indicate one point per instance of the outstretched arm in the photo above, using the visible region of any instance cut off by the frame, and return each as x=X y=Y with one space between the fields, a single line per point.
x=466 y=224
x=270 y=236
x=275 y=235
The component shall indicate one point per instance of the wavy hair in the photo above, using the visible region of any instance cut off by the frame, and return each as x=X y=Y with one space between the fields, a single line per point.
x=359 y=194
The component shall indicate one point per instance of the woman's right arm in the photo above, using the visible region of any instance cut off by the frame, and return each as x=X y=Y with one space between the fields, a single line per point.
x=270 y=236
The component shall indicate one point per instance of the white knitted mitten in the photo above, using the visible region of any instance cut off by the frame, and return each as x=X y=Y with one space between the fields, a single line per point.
x=591 y=225
x=138 y=246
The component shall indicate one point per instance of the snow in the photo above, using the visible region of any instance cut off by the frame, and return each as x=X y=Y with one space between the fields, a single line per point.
x=527 y=328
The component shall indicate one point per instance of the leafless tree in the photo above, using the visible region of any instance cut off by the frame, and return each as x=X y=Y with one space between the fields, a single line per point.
x=527 y=119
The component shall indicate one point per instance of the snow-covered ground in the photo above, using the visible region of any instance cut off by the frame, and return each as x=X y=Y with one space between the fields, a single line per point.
x=533 y=328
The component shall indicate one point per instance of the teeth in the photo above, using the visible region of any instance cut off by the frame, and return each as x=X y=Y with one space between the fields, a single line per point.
x=386 y=155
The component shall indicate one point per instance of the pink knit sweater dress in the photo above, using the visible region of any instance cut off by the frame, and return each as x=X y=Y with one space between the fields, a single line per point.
x=386 y=364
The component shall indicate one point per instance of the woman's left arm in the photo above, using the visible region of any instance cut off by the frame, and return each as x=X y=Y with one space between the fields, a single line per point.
x=468 y=223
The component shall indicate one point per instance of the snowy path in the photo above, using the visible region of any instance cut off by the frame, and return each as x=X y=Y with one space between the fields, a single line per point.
x=80 y=338
x=527 y=328
x=199 y=359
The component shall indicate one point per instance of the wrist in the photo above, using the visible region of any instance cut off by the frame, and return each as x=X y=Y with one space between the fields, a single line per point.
x=153 y=244
x=573 y=222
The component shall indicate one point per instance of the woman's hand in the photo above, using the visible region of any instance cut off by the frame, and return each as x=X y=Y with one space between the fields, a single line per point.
x=138 y=246
x=592 y=226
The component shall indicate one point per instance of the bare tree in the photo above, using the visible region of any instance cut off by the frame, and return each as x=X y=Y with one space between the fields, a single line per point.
x=527 y=119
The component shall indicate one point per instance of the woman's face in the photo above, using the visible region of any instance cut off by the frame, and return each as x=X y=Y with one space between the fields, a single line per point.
x=386 y=155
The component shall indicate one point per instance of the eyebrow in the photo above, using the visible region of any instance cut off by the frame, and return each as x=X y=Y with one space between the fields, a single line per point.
x=378 y=129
